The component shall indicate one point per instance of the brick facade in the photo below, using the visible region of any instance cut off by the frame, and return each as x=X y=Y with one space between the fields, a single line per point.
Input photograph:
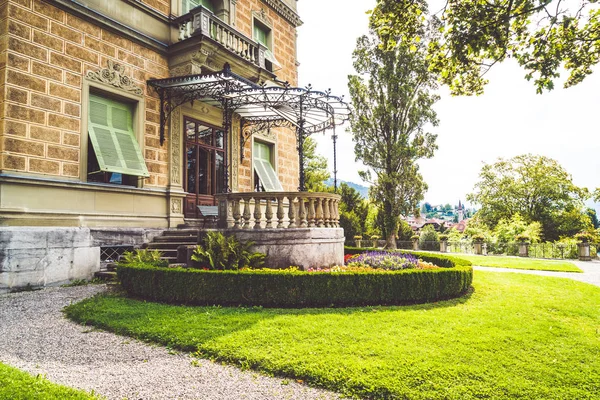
x=46 y=53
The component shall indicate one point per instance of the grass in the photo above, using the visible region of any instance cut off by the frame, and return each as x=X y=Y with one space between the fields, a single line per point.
x=521 y=263
x=514 y=336
x=19 y=385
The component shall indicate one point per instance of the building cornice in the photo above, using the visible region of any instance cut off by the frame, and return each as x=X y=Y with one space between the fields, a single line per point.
x=105 y=22
x=285 y=11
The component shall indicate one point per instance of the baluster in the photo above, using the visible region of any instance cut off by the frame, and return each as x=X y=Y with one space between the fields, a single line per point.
x=182 y=29
x=302 y=212
x=311 y=212
x=246 y=213
x=280 y=212
x=236 y=214
x=326 y=215
x=257 y=213
x=332 y=222
x=292 y=213
x=320 y=212
x=269 y=214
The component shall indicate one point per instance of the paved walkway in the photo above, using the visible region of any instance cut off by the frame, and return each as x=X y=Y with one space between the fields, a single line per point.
x=36 y=337
x=591 y=272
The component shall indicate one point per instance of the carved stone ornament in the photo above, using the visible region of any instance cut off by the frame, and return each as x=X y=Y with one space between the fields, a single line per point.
x=262 y=15
x=175 y=147
x=114 y=75
x=176 y=206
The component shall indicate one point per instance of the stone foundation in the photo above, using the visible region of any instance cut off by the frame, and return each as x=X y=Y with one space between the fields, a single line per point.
x=35 y=257
x=305 y=248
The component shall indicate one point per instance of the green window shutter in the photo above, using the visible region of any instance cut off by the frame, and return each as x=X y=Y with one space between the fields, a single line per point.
x=260 y=34
x=110 y=128
x=264 y=169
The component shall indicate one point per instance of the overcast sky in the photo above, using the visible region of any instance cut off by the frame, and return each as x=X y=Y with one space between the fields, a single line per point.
x=508 y=120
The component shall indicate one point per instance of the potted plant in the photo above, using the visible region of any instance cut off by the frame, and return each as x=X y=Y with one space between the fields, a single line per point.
x=443 y=243
x=478 y=243
x=523 y=241
x=415 y=241
x=583 y=244
x=375 y=238
x=358 y=240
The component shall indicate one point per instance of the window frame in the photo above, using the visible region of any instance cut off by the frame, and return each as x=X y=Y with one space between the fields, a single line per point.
x=138 y=109
x=272 y=162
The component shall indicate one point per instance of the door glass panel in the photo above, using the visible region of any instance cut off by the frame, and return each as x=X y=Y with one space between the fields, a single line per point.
x=220 y=171
x=205 y=135
x=191 y=169
x=190 y=131
x=204 y=171
x=219 y=138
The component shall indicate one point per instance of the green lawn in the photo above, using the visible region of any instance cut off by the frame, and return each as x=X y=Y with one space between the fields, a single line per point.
x=19 y=385
x=515 y=336
x=520 y=263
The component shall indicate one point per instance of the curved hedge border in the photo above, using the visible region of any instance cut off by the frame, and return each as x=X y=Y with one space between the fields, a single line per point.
x=293 y=288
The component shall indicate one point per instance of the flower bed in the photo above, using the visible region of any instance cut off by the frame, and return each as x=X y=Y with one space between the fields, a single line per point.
x=338 y=286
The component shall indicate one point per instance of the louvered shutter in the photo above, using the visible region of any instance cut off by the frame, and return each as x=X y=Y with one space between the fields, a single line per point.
x=110 y=128
x=264 y=169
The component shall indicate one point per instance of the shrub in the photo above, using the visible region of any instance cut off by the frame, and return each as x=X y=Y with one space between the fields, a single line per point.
x=522 y=238
x=226 y=252
x=429 y=239
x=143 y=256
x=292 y=288
x=584 y=237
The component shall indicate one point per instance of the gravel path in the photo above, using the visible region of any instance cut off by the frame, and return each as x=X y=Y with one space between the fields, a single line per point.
x=591 y=272
x=36 y=337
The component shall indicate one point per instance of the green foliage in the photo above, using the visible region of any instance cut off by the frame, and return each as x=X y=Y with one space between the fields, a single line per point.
x=591 y=213
x=290 y=288
x=508 y=230
x=535 y=187
x=544 y=37
x=429 y=238
x=143 y=256
x=19 y=385
x=393 y=96
x=584 y=237
x=440 y=260
x=223 y=252
x=353 y=211
x=315 y=170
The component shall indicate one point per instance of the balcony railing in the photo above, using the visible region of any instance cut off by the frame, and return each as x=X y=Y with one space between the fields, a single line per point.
x=203 y=22
x=282 y=210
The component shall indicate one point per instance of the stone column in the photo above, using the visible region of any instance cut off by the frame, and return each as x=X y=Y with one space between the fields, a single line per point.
x=175 y=193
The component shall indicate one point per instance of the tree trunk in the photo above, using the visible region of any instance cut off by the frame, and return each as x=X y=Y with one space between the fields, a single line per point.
x=390 y=241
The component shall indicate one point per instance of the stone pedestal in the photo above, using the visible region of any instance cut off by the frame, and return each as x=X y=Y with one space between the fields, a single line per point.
x=584 y=251
x=478 y=248
x=415 y=244
x=444 y=246
x=523 y=249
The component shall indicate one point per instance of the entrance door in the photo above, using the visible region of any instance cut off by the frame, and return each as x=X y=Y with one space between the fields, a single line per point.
x=204 y=165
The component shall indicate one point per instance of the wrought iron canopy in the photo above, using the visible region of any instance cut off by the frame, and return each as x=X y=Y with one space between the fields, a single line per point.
x=259 y=106
x=304 y=108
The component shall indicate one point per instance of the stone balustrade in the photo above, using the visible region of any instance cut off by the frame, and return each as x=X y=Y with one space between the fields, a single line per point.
x=204 y=22
x=278 y=210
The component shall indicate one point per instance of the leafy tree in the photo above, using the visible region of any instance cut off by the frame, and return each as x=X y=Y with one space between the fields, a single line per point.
x=392 y=97
x=508 y=229
x=353 y=212
x=315 y=170
x=591 y=213
x=536 y=187
x=542 y=35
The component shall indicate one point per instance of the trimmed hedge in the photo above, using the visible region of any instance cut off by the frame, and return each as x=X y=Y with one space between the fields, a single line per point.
x=293 y=288
x=440 y=260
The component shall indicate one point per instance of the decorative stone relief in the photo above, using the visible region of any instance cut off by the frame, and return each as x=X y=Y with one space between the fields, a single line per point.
x=262 y=16
x=176 y=147
x=235 y=151
x=114 y=75
x=176 y=206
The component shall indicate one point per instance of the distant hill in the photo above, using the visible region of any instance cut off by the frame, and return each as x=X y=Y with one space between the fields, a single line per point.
x=363 y=190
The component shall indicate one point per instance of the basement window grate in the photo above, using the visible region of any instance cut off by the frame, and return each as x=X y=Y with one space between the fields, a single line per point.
x=112 y=253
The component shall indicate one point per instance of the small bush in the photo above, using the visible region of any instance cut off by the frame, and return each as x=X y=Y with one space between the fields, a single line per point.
x=143 y=256
x=226 y=252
